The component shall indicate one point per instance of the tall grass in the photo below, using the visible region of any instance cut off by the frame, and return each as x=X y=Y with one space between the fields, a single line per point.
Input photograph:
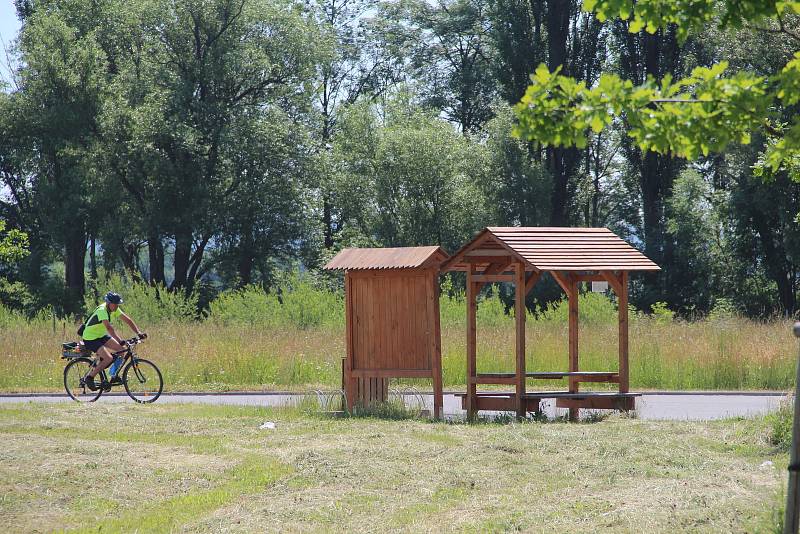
x=293 y=338
x=296 y=303
x=147 y=304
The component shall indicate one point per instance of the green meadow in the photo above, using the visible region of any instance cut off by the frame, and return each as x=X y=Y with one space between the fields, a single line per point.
x=191 y=468
x=294 y=340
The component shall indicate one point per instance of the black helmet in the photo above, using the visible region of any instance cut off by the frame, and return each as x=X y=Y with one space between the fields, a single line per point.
x=113 y=298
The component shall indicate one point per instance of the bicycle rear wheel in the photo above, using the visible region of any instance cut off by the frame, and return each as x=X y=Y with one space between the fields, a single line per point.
x=74 y=373
x=143 y=381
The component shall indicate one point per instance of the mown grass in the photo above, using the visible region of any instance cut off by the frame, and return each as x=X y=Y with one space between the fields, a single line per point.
x=312 y=473
x=295 y=340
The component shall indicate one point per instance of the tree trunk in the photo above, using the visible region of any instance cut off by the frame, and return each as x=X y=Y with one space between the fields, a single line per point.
x=777 y=265
x=195 y=261
x=155 y=249
x=74 y=276
x=183 y=250
x=327 y=221
x=653 y=55
x=246 y=262
x=93 y=259
x=560 y=161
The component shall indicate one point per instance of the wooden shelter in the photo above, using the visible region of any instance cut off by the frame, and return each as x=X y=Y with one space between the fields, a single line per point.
x=392 y=311
x=571 y=256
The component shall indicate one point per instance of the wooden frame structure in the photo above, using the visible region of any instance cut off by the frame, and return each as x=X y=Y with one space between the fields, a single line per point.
x=392 y=320
x=520 y=255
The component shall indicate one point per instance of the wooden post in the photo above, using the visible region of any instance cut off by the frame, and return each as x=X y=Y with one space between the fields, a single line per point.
x=519 y=311
x=622 y=300
x=472 y=339
x=436 y=342
x=572 y=295
x=350 y=392
x=792 y=517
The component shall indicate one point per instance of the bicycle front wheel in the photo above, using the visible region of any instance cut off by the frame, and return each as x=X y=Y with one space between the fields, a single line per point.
x=143 y=381
x=74 y=373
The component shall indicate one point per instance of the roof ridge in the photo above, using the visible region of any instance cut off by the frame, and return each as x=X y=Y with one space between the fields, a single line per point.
x=552 y=248
x=355 y=258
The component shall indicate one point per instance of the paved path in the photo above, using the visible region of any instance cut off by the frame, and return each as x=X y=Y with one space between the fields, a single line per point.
x=651 y=406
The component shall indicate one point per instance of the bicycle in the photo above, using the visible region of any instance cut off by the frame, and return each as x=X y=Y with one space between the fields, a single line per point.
x=141 y=378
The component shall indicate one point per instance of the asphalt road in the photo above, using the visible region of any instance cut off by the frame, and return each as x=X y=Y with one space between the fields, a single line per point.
x=651 y=406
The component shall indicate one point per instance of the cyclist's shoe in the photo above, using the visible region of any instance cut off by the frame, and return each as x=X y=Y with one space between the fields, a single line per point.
x=106 y=386
x=115 y=381
x=89 y=383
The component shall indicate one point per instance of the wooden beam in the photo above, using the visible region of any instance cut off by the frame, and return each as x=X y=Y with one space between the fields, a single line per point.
x=480 y=379
x=598 y=403
x=484 y=259
x=590 y=277
x=392 y=373
x=493 y=278
x=471 y=344
x=573 y=341
x=562 y=279
x=435 y=338
x=623 y=333
x=495 y=268
x=487 y=252
x=349 y=386
x=520 y=311
x=613 y=281
x=533 y=278
x=585 y=376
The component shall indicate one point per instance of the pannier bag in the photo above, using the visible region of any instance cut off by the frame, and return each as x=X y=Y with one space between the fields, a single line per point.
x=71 y=349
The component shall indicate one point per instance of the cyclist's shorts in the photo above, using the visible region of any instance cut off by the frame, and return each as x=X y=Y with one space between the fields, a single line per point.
x=94 y=344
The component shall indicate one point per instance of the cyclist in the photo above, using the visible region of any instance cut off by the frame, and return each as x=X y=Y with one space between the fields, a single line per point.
x=101 y=338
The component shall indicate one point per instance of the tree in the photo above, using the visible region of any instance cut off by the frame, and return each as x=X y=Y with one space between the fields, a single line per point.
x=698 y=114
x=360 y=63
x=54 y=126
x=517 y=186
x=205 y=67
x=641 y=56
x=565 y=39
x=450 y=56
x=267 y=214
x=694 y=231
x=670 y=114
x=13 y=245
x=518 y=40
x=414 y=176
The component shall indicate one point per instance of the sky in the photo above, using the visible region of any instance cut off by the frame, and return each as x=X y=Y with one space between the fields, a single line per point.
x=9 y=27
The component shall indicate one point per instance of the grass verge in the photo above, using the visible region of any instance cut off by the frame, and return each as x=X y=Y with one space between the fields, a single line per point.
x=126 y=468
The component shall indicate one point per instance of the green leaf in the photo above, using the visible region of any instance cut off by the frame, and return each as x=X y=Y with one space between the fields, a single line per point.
x=597 y=124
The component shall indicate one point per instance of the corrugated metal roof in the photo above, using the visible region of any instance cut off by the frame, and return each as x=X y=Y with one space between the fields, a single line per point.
x=554 y=249
x=387 y=258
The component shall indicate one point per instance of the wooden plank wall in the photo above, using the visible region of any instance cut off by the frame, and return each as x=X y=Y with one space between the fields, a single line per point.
x=393 y=320
x=393 y=330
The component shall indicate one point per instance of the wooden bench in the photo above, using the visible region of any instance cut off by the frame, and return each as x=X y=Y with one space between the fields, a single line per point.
x=598 y=400
x=579 y=376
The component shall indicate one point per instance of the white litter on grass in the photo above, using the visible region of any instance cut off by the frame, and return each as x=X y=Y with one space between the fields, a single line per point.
x=269 y=425
x=766 y=464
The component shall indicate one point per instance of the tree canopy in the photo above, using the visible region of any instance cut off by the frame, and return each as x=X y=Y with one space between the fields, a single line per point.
x=205 y=145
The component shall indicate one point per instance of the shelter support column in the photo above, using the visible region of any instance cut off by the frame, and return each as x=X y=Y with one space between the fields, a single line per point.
x=622 y=299
x=520 y=312
x=349 y=386
x=572 y=295
x=471 y=344
x=436 y=343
